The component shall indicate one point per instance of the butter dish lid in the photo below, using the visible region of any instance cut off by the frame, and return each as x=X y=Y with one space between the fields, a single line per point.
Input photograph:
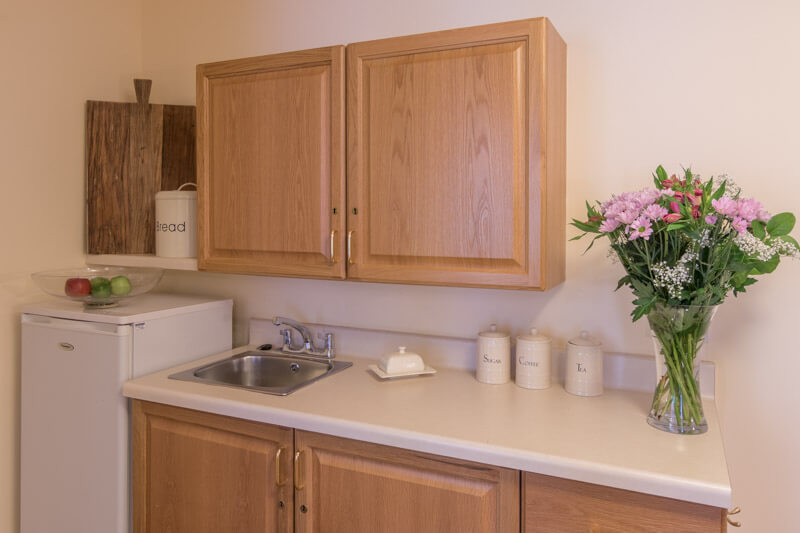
x=584 y=339
x=533 y=336
x=401 y=361
x=493 y=333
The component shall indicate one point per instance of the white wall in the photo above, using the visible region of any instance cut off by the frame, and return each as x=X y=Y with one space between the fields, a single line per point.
x=710 y=84
x=54 y=56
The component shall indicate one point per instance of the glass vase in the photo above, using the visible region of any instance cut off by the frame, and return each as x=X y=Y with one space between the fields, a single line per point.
x=679 y=339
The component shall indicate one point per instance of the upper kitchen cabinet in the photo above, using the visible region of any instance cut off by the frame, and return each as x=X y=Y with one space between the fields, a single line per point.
x=271 y=164
x=456 y=157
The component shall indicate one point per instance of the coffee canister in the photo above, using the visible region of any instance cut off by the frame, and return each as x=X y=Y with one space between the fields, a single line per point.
x=176 y=222
x=584 y=366
x=533 y=360
x=494 y=356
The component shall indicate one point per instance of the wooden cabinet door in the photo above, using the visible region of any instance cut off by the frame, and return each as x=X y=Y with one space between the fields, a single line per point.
x=346 y=486
x=555 y=505
x=195 y=472
x=271 y=193
x=456 y=157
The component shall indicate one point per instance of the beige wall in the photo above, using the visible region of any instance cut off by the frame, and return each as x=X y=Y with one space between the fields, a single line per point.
x=710 y=84
x=54 y=55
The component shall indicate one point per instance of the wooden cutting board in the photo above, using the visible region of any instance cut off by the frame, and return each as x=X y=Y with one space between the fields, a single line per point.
x=133 y=150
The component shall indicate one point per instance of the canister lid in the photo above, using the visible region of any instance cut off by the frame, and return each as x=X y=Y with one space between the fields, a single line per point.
x=180 y=194
x=493 y=333
x=534 y=336
x=584 y=339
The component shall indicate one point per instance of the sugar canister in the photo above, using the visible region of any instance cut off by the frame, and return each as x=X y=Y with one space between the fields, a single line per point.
x=533 y=360
x=494 y=356
x=584 y=367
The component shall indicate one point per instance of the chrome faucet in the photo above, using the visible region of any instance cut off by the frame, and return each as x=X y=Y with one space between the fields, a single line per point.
x=308 y=347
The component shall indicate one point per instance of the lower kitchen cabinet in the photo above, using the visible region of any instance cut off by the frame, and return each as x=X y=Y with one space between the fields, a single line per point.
x=196 y=472
x=556 y=505
x=347 y=486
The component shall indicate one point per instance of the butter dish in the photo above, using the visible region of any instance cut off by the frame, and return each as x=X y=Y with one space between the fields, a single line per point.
x=401 y=363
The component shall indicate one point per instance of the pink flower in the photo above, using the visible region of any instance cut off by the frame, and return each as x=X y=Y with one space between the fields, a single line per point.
x=640 y=227
x=695 y=211
x=725 y=206
x=668 y=192
x=675 y=207
x=609 y=225
x=711 y=219
x=748 y=209
x=694 y=200
x=654 y=212
x=672 y=217
x=763 y=216
x=698 y=192
x=627 y=216
x=678 y=195
x=739 y=224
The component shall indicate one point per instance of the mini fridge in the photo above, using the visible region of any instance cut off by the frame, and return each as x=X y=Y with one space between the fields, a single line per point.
x=75 y=423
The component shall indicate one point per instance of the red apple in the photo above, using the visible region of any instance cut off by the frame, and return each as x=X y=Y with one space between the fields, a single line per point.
x=77 y=287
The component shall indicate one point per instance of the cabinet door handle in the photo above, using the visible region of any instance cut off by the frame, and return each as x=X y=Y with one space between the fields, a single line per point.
x=333 y=248
x=297 y=484
x=278 y=481
x=350 y=247
x=734 y=523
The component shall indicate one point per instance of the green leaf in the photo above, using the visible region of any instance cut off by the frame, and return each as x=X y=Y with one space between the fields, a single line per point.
x=780 y=224
x=584 y=226
x=661 y=173
x=622 y=281
x=765 y=267
x=581 y=236
x=719 y=192
x=677 y=225
x=758 y=229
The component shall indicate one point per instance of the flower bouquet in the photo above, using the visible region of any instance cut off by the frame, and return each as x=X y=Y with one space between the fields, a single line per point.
x=685 y=245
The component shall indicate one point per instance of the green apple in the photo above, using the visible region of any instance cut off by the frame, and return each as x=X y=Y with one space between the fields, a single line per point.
x=101 y=287
x=120 y=285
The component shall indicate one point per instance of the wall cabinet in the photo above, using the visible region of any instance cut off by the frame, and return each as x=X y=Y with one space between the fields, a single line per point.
x=455 y=160
x=270 y=164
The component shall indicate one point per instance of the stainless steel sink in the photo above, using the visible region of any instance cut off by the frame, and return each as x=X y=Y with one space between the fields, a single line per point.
x=270 y=372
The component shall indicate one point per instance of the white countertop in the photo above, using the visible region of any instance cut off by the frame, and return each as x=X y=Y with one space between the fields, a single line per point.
x=603 y=440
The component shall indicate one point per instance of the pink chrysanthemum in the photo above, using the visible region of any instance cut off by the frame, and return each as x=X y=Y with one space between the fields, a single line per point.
x=654 y=212
x=641 y=227
x=725 y=206
x=739 y=224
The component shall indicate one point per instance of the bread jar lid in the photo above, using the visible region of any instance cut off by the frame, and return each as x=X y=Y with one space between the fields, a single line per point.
x=584 y=339
x=493 y=333
x=179 y=194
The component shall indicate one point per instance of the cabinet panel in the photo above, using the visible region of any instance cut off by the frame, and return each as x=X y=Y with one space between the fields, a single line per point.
x=271 y=167
x=454 y=148
x=555 y=505
x=356 y=487
x=195 y=472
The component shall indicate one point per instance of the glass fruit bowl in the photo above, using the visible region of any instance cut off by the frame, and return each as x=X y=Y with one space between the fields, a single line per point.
x=98 y=286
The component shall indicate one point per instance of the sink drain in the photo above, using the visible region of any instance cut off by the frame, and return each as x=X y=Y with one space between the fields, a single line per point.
x=294 y=367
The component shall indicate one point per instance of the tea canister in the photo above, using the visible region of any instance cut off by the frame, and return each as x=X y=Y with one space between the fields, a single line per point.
x=584 y=366
x=176 y=223
x=533 y=360
x=494 y=356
